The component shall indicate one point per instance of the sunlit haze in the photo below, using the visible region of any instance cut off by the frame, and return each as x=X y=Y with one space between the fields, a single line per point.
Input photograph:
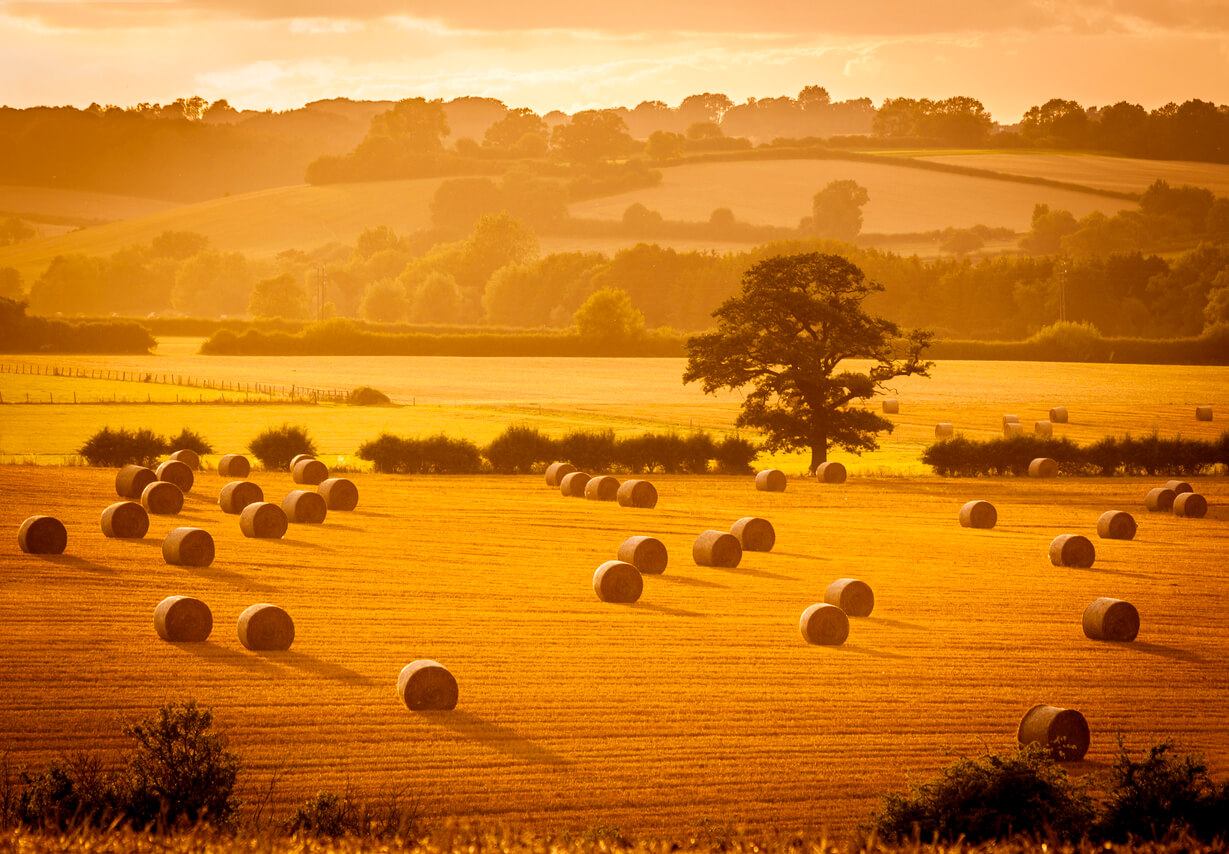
x=552 y=54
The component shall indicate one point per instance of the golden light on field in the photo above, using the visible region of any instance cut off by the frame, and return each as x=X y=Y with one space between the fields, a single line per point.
x=700 y=702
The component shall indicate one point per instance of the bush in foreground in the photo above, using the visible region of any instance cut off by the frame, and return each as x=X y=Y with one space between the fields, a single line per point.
x=277 y=446
x=994 y=796
x=1163 y=795
x=123 y=447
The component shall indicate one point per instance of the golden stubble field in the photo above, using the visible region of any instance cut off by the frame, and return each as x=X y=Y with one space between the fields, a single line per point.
x=700 y=703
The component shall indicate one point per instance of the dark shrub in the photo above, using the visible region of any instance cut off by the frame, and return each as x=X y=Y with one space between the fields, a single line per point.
x=589 y=450
x=1162 y=794
x=277 y=446
x=189 y=440
x=442 y=455
x=734 y=455
x=367 y=396
x=990 y=797
x=1151 y=455
x=520 y=448
x=122 y=447
x=392 y=454
x=181 y=769
x=327 y=815
x=75 y=791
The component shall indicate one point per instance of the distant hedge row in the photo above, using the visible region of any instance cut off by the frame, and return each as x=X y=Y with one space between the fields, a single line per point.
x=20 y=333
x=1077 y=342
x=525 y=449
x=345 y=339
x=1149 y=455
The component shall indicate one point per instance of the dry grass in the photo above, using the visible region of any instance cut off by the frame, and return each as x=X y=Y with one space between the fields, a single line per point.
x=700 y=701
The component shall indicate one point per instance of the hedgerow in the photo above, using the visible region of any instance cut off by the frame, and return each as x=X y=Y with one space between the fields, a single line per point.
x=1148 y=455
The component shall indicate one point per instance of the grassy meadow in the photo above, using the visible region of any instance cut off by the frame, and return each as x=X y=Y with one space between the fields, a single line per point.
x=478 y=398
x=700 y=704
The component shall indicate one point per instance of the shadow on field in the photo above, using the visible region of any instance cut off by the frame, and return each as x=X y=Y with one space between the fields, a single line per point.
x=304 y=544
x=1106 y=571
x=79 y=563
x=754 y=573
x=222 y=655
x=690 y=582
x=819 y=558
x=317 y=666
x=1170 y=652
x=897 y=624
x=235 y=579
x=493 y=735
x=865 y=650
x=662 y=609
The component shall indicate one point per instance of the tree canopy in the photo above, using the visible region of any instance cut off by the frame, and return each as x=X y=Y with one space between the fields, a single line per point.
x=786 y=335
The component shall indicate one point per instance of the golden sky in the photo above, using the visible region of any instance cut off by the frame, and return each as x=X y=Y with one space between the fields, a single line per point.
x=557 y=54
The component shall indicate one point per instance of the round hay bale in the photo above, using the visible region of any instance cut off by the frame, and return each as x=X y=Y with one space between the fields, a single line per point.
x=239 y=494
x=573 y=484
x=304 y=507
x=978 y=514
x=188 y=457
x=173 y=471
x=830 y=472
x=637 y=493
x=131 y=481
x=1116 y=525
x=618 y=581
x=1011 y=419
x=754 y=534
x=234 y=465
x=945 y=430
x=852 y=596
x=1111 y=620
x=602 y=488
x=891 y=406
x=1043 y=467
x=125 y=520
x=265 y=628
x=1013 y=428
x=426 y=685
x=162 y=498
x=298 y=458
x=264 y=521
x=1043 y=428
x=717 y=548
x=1203 y=413
x=182 y=619
x=1063 y=732
x=1058 y=415
x=188 y=547
x=556 y=471
x=1191 y=505
x=1160 y=500
x=42 y=535
x=1072 y=550
x=770 y=480
x=310 y=472
x=339 y=494
x=1179 y=487
x=824 y=624
x=647 y=554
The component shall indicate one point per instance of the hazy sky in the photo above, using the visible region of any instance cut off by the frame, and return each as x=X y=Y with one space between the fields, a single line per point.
x=571 y=54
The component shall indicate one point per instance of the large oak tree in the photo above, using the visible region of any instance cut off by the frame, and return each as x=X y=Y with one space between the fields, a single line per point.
x=789 y=336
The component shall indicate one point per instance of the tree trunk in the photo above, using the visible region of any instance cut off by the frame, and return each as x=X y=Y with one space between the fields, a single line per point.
x=819 y=449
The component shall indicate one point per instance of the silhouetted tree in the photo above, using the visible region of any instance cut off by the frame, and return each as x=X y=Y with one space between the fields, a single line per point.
x=836 y=210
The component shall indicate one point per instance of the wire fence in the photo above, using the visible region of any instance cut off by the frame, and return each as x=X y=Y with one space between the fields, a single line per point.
x=274 y=391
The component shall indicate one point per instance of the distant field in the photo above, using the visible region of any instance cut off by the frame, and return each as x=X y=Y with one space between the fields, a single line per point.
x=262 y=223
x=478 y=398
x=1124 y=174
x=901 y=199
x=699 y=706
x=76 y=204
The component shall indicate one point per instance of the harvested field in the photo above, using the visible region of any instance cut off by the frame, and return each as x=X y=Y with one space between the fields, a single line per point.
x=699 y=702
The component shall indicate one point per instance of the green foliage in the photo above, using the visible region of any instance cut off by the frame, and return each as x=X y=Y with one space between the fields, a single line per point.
x=1162 y=795
x=275 y=447
x=122 y=447
x=20 y=333
x=434 y=455
x=520 y=448
x=836 y=210
x=328 y=815
x=797 y=319
x=1068 y=341
x=734 y=455
x=588 y=450
x=608 y=315
x=181 y=770
x=368 y=396
x=278 y=296
x=991 y=797
x=188 y=439
x=72 y=792
x=1149 y=455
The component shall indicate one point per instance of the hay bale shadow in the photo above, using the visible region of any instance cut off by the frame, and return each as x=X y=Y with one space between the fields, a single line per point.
x=309 y=663
x=897 y=624
x=688 y=581
x=235 y=579
x=1171 y=652
x=79 y=563
x=212 y=652
x=501 y=738
x=865 y=650
x=754 y=573
x=663 y=609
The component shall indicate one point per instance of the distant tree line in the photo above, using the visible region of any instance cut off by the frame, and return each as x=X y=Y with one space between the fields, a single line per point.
x=20 y=333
